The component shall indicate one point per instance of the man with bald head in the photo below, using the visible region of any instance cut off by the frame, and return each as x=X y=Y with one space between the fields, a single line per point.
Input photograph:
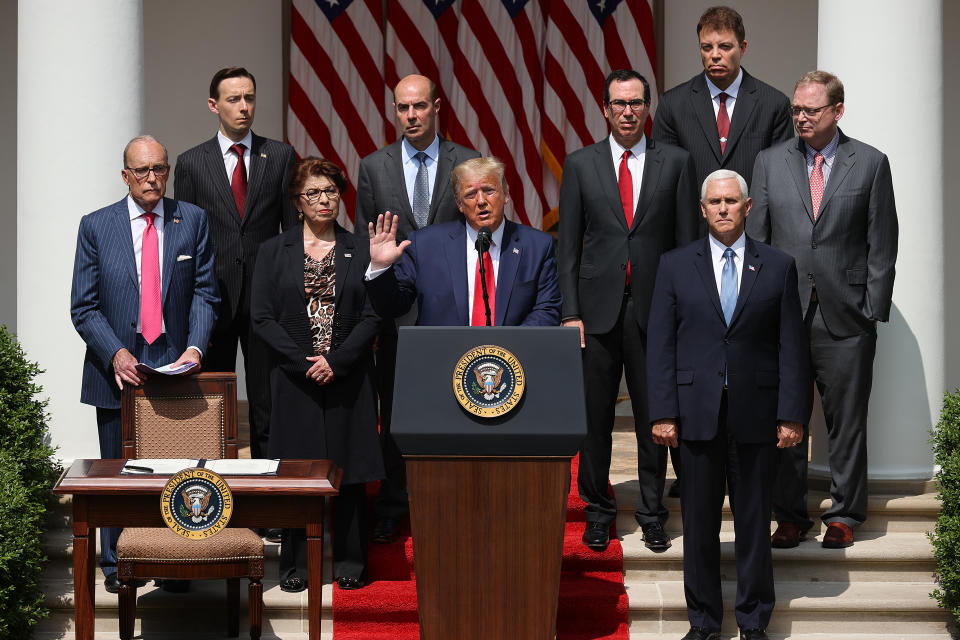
x=411 y=179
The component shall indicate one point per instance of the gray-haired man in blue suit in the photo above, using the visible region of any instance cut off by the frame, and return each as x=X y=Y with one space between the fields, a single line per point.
x=115 y=248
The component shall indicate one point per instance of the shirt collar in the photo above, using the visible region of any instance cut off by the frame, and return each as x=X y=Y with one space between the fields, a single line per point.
x=731 y=91
x=135 y=210
x=828 y=152
x=226 y=143
x=433 y=151
x=496 y=236
x=717 y=248
x=637 y=150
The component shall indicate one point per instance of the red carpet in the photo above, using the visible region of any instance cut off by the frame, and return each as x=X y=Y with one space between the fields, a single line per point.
x=593 y=603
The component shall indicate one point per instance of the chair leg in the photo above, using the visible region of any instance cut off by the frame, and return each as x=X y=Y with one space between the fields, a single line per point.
x=127 y=597
x=233 y=607
x=255 y=598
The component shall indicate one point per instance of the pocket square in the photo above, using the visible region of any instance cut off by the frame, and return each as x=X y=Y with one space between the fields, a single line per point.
x=181 y=258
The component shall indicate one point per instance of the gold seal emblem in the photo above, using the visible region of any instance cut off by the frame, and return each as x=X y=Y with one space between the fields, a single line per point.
x=488 y=381
x=196 y=503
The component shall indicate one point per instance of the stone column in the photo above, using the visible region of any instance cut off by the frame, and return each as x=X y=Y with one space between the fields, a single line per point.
x=889 y=56
x=79 y=100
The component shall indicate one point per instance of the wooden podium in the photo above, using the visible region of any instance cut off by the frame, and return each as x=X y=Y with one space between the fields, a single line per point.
x=488 y=495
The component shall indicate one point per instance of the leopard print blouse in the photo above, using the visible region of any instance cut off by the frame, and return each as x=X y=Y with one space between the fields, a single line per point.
x=319 y=280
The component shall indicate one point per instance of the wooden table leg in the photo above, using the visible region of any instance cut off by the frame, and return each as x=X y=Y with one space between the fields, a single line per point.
x=314 y=566
x=84 y=560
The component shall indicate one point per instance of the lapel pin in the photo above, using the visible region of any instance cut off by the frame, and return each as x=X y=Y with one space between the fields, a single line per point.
x=516 y=251
x=751 y=267
x=263 y=155
x=176 y=221
x=348 y=255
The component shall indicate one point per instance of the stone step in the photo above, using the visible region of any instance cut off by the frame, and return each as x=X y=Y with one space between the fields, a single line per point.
x=804 y=609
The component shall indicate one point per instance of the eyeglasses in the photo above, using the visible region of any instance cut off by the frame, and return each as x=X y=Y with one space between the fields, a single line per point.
x=810 y=112
x=312 y=195
x=619 y=106
x=141 y=173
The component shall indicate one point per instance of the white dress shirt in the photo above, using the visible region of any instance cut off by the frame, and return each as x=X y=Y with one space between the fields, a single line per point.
x=638 y=155
x=411 y=166
x=496 y=241
x=716 y=251
x=230 y=158
x=138 y=224
x=731 y=92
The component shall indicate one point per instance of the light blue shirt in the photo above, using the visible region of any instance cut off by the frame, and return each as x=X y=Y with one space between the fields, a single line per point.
x=829 y=153
x=411 y=165
x=716 y=252
x=731 y=92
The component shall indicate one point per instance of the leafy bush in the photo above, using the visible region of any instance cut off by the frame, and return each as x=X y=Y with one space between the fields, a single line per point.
x=27 y=473
x=946 y=537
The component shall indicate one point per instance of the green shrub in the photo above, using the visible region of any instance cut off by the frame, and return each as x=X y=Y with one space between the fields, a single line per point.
x=27 y=473
x=946 y=537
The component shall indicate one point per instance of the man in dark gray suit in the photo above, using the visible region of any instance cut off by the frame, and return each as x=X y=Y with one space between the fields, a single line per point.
x=241 y=180
x=411 y=179
x=827 y=200
x=624 y=201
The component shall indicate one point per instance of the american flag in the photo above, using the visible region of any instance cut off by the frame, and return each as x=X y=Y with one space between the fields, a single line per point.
x=521 y=80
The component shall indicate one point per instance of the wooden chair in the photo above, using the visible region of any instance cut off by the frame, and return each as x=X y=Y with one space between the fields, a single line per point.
x=186 y=417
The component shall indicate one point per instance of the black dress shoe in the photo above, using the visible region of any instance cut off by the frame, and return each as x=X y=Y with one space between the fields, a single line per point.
x=293 y=584
x=112 y=583
x=597 y=536
x=655 y=537
x=674 y=491
x=385 y=531
x=753 y=634
x=272 y=535
x=698 y=633
x=349 y=584
x=175 y=586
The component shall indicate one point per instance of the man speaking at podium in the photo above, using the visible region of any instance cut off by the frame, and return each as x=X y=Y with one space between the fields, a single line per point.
x=440 y=266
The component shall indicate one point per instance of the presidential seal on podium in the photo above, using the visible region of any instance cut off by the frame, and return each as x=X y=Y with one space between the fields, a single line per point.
x=488 y=381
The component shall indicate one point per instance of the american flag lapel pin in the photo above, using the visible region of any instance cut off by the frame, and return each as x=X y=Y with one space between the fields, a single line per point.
x=751 y=267
x=516 y=251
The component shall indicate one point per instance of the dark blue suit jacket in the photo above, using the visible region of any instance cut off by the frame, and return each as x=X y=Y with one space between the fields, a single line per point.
x=763 y=351
x=432 y=272
x=105 y=299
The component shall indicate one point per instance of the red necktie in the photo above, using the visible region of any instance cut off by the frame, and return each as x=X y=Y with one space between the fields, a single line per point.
x=238 y=184
x=816 y=183
x=150 y=312
x=723 y=122
x=625 y=181
x=479 y=317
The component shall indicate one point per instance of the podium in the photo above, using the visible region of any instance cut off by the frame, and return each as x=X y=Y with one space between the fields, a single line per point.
x=488 y=495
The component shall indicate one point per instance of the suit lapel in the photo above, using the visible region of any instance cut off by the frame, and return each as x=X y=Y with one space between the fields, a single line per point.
x=607 y=179
x=213 y=159
x=455 y=252
x=842 y=163
x=751 y=269
x=442 y=184
x=171 y=243
x=258 y=165
x=293 y=255
x=344 y=260
x=393 y=169
x=507 y=270
x=652 y=166
x=703 y=109
x=797 y=165
x=743 y=109
x=704 y=266
x=125 y=241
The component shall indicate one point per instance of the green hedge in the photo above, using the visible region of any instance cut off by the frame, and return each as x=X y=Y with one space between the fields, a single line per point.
x=27 y=473
x=946 y=537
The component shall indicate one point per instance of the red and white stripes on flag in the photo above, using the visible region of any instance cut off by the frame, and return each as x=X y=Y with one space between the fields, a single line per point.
x=521 y=80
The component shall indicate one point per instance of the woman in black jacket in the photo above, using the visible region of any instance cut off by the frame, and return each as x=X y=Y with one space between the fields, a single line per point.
x=309 y=305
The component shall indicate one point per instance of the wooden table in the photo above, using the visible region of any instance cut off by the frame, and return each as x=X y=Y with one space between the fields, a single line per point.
x=102 y=497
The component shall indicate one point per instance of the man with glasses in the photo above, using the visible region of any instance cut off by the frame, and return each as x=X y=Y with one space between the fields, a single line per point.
x=827 y=200
x=624 y=201
x=143 y=292
x=411 y=179
x=240 y=180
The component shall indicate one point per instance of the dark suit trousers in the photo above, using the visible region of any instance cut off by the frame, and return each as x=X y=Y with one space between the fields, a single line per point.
x=605 y=358
x=222 y=356
x=843 y=371
x=706 y=464
x=391 y=501
x=349 y=538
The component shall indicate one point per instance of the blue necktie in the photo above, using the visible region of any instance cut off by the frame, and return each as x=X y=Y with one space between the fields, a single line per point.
x=728 y=285
x=421 y=196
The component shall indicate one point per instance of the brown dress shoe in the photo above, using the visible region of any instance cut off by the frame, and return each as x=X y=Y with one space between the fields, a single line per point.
x=787 y=535
x=838 y=536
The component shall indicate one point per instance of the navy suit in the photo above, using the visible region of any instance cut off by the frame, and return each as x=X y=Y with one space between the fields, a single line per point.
x=432 y=272
x=105 y=307
x=763 y=357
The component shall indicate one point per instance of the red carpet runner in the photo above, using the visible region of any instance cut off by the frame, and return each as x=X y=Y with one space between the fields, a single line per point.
x=593 y=603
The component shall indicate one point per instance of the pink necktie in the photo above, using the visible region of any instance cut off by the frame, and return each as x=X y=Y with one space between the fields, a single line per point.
x=723 y=121
x=238 y=184
x=625 y=181
x=150 y=308
x=816 y=184
x=479 y=316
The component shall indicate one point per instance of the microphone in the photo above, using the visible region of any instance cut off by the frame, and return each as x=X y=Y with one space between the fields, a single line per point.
x=484 y=239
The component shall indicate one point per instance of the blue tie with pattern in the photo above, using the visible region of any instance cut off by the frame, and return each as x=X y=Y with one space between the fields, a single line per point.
x=728 y=285
x=421 y=196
